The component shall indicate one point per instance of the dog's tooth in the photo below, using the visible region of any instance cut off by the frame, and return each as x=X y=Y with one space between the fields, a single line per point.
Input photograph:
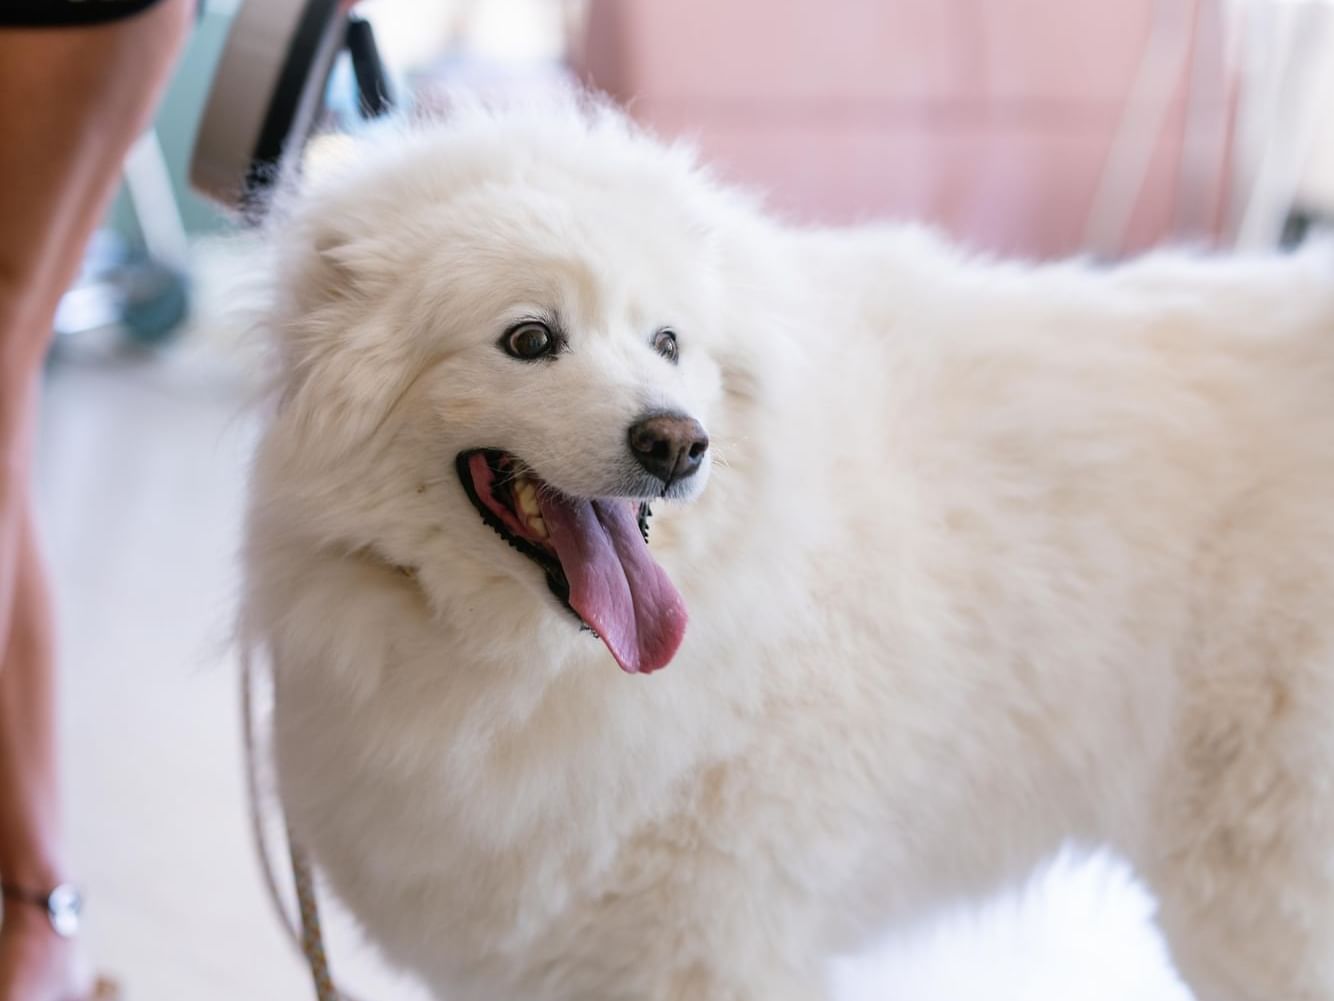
x=538 y=526
x=527 y=496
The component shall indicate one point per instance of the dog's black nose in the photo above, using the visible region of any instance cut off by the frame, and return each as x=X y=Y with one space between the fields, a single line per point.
x=670 y=446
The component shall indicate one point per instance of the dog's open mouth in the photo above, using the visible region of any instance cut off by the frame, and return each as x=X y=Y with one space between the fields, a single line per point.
x=594 y=552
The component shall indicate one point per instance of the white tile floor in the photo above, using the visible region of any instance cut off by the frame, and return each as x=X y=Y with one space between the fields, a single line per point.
x=141 y=474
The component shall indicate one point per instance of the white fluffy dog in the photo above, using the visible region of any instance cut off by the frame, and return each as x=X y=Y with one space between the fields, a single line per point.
x=950 y=563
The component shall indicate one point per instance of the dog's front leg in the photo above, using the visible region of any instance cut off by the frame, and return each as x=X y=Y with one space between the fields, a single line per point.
x=700 y=983
x=694 y=928
x=726 y=945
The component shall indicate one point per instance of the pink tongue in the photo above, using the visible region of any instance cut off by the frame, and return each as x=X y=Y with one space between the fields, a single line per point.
x=615 y=585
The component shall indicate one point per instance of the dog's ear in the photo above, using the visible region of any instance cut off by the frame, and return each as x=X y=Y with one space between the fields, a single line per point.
x=328 y=275
x=323 y=224
x=332 y=263
x=344 y=355
x=343 y=359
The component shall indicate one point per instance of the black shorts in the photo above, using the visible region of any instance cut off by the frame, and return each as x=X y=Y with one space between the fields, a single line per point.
x=53 y=13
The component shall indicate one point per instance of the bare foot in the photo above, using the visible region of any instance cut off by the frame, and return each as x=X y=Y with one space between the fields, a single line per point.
x=36 y=964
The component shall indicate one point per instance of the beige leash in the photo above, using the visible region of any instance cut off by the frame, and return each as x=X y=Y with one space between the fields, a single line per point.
x=312 y=938
x=309 y=937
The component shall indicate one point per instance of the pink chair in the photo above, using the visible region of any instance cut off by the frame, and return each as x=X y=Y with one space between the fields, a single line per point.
x=991 y=118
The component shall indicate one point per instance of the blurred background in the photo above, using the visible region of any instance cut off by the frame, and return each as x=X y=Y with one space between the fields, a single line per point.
x=1038 y=128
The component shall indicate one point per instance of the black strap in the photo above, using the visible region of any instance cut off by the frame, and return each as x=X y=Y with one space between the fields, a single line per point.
x=372 y=81
x=58 y=13
x=23 y=895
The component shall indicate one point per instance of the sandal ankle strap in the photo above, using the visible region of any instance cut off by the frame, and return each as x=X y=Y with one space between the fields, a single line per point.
x=63 y=904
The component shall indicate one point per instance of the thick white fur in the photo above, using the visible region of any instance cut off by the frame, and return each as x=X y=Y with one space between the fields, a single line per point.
x=991 y=558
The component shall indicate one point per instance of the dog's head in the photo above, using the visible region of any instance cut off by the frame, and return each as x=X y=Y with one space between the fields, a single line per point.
x=507 y=343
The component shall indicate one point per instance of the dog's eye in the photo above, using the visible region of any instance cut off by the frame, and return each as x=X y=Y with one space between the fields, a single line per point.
x=664 y=342
x=529 y=340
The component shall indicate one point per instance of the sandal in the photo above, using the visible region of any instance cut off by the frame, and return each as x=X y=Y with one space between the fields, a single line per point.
x=63 y=906
x=105 y=990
